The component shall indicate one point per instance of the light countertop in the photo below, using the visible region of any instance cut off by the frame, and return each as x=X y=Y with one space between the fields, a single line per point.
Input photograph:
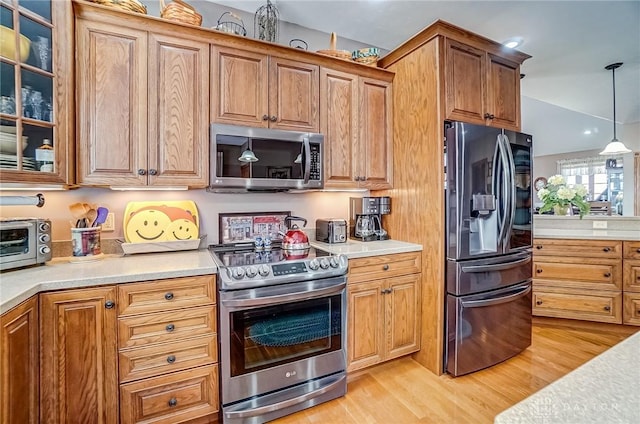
x=20 y=284
x=562 y=233
x=604 y=390
x=361 y=249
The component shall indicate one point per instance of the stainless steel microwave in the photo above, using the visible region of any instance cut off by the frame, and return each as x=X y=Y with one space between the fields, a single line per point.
x=263 y=159
x=24 y=242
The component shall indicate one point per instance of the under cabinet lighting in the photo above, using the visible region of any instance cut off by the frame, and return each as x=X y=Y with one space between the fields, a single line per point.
x=154 y=188
x=30 y=187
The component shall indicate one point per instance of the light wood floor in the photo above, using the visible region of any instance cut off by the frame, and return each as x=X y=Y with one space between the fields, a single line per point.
x=402 y=391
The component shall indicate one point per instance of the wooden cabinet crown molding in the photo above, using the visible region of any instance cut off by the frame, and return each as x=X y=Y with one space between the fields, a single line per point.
x=158 y=25
x=442 y=28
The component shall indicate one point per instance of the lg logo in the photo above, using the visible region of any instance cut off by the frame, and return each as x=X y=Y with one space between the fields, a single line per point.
x=290 y=374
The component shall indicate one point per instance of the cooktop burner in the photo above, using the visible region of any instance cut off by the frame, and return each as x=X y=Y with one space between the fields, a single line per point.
x=242 y=266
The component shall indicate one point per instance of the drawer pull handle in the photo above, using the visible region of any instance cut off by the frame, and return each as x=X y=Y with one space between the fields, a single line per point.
x=170 y=328
x=538 y=302
x=385 y=267
x=173 y=402
x=539 y=270
x=109 y=304
x=607 y=308
x=607 y=274
x=538 y=247
x=168 y=296
x=171 y=359
x=607 y=249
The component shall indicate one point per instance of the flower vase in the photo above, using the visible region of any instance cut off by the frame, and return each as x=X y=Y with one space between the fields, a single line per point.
x=561 y=210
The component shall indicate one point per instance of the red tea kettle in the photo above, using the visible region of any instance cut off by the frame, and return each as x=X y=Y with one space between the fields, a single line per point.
x=295 y=241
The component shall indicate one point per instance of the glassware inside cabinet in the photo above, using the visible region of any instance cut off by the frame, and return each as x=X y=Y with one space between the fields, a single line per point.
x=36 y=95
x=7 y=90
x=40 y=43
x=39 y=7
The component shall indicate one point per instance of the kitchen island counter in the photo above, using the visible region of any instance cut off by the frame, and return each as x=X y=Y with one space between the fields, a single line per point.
x=604 y=390
x=557 y=233
x=20 y=284
x=360 y=249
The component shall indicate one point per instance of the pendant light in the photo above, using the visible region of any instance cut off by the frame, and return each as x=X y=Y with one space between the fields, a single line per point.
x=248 y=156
x=615 y=147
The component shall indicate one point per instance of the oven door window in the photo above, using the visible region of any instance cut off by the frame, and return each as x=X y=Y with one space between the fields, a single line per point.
x=14 y=242
x=278 y=334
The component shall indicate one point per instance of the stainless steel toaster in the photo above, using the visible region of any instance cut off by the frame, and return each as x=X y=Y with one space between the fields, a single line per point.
x=331 y=230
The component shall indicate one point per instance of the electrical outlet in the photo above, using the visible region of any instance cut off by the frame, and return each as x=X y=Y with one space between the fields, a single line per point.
x=110 y=223
x=602 y=225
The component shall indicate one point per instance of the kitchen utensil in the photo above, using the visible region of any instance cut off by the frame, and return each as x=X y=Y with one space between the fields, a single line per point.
x=78 y=210
x=91 y=216
x=102 y=216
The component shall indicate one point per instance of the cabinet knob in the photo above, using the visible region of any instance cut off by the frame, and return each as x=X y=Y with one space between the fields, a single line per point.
x=142 y=172
x=607 y=274
x=153 y=172
x=173 y=402
x=538 y=247
x=109 y=304
x=606 y=249
x=265 y=117
x=383 y=291
x=168 y=296
x=539 y=270
x=607 y=308
x=170 y=328
x=489 y=116
x=171 y=359
x=273 y=118
x=538 y=302
x=638 y=250
x=385 y=267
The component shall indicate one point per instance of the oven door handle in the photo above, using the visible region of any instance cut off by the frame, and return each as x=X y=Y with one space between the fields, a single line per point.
x=289 y=297
x=284 y=404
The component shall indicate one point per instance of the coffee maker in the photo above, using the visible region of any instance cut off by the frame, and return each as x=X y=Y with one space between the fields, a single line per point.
x=365 y=218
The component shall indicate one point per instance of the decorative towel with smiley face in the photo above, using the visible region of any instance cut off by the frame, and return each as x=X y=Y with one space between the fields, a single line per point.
x=171 y=220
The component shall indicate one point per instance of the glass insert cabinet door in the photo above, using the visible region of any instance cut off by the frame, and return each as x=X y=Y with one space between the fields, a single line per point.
x=30 y=136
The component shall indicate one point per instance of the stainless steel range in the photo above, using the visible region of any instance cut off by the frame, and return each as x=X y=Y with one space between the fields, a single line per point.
x=282 y=331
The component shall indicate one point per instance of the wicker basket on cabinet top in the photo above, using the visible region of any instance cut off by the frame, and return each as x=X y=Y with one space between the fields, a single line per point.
x=128 y=5
x=179 y=11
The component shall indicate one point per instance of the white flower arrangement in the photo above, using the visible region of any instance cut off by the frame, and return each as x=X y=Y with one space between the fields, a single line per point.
x=557 y=193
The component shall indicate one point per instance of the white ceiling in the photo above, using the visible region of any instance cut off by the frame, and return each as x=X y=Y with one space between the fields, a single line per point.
x=570 y=41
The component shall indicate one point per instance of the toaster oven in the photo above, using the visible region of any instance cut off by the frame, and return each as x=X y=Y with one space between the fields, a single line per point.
x=24 y=242
x=331 y=230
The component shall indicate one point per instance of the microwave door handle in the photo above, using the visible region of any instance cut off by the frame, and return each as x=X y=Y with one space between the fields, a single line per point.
x=306 y=148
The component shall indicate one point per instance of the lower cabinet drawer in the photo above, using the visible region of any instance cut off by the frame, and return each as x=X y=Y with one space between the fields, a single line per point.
x=160 y=359
x=631 y=275
x=602 y=306
x=631 y=309
x=170 y=399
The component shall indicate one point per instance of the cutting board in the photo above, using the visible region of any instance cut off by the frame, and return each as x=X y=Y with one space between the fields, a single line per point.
x=158 y=221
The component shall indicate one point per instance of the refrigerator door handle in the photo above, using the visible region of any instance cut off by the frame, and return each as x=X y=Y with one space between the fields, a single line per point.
x=502 y=214
x=496 y=267
x=511 y=186
x=496 y=301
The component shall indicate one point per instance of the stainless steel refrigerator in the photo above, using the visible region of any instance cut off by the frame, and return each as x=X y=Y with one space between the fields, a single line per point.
x=488 y=200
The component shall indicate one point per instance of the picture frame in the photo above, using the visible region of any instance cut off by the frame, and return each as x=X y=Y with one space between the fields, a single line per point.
x=243 y=227
x=279 y=172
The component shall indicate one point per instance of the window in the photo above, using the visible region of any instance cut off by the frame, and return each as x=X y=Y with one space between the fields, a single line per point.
x=594 y=175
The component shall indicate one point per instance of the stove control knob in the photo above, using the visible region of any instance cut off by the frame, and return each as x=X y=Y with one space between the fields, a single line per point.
x=237 y=273
x=324 y=263
x=263 y=270
x=313 y=264
x=333 y=261
x=252 y=272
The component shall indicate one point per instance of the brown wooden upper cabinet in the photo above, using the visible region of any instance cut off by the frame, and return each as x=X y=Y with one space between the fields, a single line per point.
x=355 y=115
x=143 y=103
x=481 y=87
x=36 y=92
x=259 y=90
